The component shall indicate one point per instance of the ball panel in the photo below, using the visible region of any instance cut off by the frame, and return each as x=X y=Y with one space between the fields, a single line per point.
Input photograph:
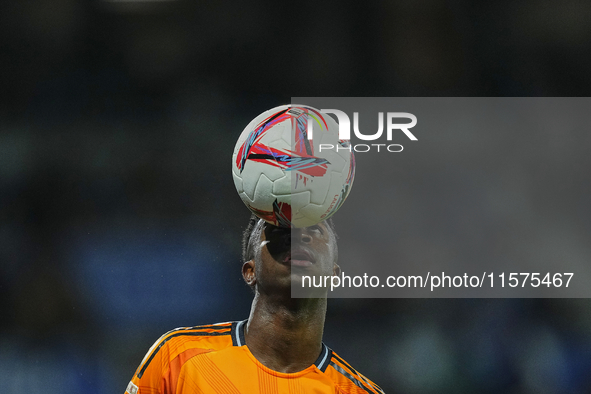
x=263 y=192
x=252 y=174
x=237 y=182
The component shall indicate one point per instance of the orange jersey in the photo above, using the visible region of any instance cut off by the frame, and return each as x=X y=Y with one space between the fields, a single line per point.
x=215 y=359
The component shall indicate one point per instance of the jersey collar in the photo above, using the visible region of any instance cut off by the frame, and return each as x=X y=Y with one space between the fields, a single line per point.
x=238 y=340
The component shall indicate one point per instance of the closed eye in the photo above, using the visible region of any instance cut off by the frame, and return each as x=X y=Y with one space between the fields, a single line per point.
x=316 y=228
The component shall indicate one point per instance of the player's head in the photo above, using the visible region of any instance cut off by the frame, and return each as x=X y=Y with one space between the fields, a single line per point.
x=282 y=254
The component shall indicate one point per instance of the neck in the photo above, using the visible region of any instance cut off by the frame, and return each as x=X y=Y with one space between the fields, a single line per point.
x=286 y=336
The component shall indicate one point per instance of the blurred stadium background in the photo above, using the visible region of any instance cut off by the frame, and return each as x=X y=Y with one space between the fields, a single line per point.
x=119 y=220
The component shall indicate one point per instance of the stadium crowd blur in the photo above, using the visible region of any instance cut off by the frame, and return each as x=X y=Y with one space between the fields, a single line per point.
x=119 y=220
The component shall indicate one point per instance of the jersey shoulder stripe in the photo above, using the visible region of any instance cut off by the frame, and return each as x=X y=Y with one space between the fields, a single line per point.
x=359 y=380
x=202 y=331
x=369 y=382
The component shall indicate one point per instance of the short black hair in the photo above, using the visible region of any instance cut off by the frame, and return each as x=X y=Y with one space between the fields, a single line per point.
x=248 y=251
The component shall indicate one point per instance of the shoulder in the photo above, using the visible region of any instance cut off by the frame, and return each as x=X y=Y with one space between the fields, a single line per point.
x=347 y=378
x=182 y=342
x=213 y=335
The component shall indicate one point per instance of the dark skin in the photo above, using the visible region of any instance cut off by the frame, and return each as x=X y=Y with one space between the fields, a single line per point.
x=285 y=333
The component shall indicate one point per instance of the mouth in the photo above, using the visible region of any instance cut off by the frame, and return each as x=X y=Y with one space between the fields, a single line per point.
x=299 y=258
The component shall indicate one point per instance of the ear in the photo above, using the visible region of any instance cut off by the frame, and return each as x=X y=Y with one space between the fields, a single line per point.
x=248 y=273
x=336 y=270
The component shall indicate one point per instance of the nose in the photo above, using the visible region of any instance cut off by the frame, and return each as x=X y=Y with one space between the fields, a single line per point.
x=301 y=235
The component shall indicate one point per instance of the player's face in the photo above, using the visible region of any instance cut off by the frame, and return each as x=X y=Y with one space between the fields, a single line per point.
x=284 y=255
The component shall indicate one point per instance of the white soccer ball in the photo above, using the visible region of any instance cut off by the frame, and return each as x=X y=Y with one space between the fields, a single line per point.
x=290 y=168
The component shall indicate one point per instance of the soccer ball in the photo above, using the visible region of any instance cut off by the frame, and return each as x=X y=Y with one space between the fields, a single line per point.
x=290 y=168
